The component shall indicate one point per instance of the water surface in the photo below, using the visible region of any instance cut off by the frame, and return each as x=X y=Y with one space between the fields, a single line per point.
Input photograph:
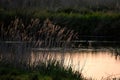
x=93 y=63
x=96 y=61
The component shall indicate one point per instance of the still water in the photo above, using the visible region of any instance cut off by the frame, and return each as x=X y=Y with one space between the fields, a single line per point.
x=97 y=64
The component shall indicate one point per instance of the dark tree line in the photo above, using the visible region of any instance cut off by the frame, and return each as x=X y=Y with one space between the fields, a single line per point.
x=55 y=4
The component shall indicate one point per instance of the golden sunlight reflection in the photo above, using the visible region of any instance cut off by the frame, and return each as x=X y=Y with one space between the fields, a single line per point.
x=98 y=65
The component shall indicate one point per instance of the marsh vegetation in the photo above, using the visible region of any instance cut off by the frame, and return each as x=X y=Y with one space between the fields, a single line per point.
x=105 y=25
x=17 y=43
x=36 y=37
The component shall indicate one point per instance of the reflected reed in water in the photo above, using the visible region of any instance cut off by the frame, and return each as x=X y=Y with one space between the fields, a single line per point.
x=20 y=45
x=18 y=40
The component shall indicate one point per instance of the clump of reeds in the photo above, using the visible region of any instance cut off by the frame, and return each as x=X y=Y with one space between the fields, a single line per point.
x=18 y=40
x=43 y=34
x=86 y=23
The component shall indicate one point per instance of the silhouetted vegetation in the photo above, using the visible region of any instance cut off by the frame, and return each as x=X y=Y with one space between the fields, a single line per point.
x=19 y=54
x=50 y=24
x=56 y=4
x=41 y=72
x=85 y=23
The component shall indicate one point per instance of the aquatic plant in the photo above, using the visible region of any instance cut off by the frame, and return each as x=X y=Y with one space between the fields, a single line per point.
x=19 y=40
x=18 y=45
x=43 y=34
x=85 y=24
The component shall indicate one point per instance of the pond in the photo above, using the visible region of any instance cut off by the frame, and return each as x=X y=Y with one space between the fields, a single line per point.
x=97 y=64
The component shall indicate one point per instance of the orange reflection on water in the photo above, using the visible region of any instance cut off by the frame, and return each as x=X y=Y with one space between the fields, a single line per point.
x=98 y=65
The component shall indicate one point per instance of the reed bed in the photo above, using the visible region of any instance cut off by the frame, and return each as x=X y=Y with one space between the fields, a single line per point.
x=42 y=34
x=85 y=23
x=17 y=45
x=17 y=39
